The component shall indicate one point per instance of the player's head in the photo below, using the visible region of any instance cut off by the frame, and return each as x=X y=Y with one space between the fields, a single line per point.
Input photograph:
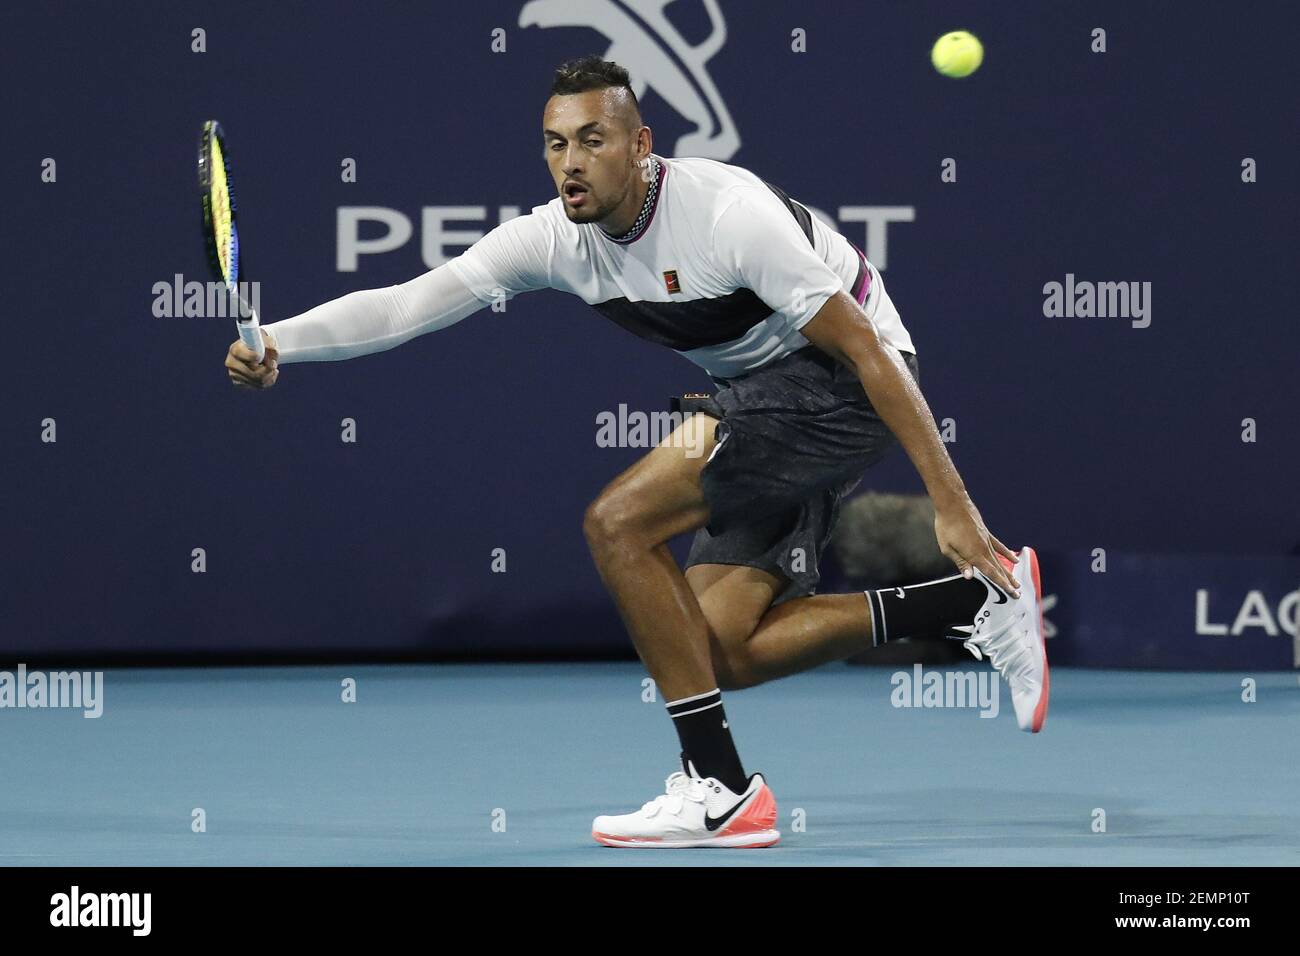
x=593 y=138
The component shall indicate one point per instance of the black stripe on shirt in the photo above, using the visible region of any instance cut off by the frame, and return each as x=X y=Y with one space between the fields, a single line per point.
x=683 y=326
x=801 y=215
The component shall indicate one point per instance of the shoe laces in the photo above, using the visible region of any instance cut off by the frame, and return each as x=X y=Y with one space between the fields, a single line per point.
x=678 y=788
x=1010 y=656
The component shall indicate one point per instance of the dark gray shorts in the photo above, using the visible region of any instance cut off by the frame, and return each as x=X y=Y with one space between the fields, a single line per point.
x=794 y=437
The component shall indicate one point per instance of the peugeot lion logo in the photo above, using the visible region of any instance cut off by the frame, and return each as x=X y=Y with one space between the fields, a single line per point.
x=655 y=53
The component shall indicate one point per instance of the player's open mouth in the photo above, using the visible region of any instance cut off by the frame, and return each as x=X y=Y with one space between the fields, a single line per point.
x=575 y=194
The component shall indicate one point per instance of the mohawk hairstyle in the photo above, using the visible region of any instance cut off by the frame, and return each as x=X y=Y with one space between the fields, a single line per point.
x=592 y=73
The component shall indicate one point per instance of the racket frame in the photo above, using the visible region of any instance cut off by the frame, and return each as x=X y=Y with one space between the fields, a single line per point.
x=246 y=318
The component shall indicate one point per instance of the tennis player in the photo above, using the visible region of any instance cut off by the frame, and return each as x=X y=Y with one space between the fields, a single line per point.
x=816 y=377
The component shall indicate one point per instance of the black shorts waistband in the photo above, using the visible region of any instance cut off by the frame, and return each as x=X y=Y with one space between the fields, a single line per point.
x=809 y=353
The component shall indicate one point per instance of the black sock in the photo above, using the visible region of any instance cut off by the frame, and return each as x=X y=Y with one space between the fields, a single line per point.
x=925 y=610
x=706 y=739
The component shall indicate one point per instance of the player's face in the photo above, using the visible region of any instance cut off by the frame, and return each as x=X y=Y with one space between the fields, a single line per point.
x=591 y=148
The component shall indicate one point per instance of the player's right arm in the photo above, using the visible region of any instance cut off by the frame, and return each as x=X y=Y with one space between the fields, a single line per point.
x=514 y=257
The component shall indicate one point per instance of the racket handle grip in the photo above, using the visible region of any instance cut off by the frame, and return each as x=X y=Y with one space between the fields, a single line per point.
x=251 y=335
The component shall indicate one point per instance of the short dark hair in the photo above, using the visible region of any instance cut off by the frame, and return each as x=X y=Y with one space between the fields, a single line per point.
x=591 y=73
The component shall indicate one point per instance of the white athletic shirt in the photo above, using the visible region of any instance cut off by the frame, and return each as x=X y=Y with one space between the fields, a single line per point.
x=720 y=266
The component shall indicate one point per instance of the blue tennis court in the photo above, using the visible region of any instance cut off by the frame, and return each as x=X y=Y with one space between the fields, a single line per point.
x=417 y=769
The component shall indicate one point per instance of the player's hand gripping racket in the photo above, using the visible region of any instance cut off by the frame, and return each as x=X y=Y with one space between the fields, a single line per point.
x=220 y=229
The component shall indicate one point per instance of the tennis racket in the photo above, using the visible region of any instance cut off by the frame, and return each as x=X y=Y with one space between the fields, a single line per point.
x=220 y=230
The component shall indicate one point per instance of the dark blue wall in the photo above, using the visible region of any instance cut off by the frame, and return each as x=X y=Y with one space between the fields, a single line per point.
x=1072 y=433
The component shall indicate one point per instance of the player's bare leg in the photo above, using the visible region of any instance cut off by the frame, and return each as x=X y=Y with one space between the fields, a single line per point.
x=753 y=642
x=711 y=802
x=627 y=528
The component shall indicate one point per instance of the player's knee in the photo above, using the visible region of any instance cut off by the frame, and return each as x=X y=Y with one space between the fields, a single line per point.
x=608 y=519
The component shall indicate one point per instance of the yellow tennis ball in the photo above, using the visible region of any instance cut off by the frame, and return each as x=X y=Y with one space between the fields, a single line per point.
x=957 y=54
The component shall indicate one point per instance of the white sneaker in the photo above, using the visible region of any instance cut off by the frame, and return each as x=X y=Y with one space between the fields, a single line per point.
x=1009 y=632
x=696 y=812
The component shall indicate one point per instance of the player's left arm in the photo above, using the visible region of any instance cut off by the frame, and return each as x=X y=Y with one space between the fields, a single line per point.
x=842 y=330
